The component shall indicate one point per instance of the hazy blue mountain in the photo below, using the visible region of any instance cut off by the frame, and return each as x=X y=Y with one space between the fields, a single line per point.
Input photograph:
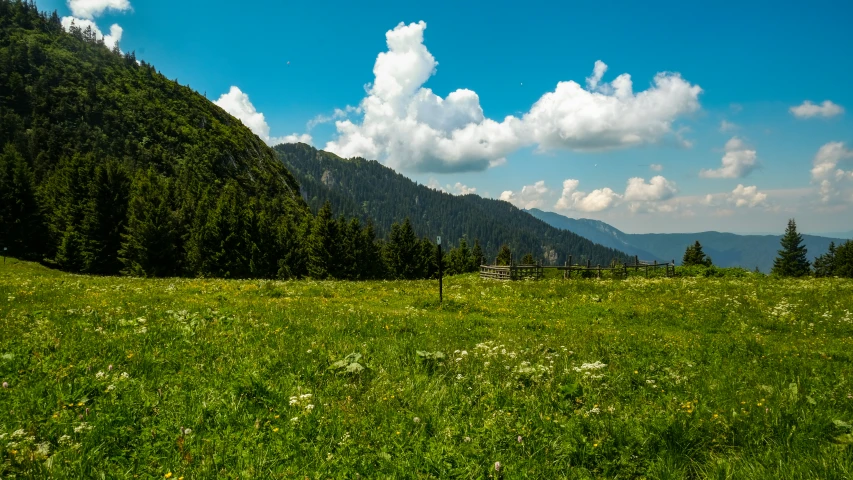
x=593 y=230
x=725 y=249
x=846 y=235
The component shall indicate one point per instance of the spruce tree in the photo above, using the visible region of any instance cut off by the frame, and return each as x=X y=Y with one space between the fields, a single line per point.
x=370 y=262
x=504 y=256
x=403 y=252
x=694 y=255
x=105 y=218
x=20 y=219
x=321 y=243
x=824 y=265
x=527 y=259
x=65 y=199
x=148 y=246
x=791 y=260
x=476 y=256
x=234 y=245
x=844 y=260
x=427 y=260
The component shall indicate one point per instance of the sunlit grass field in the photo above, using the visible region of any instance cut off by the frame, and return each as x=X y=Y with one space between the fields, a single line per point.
x=190 y=378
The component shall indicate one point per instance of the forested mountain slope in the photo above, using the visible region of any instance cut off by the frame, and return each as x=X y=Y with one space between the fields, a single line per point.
x=107 y=165
x=725 y=249
x=367 y=189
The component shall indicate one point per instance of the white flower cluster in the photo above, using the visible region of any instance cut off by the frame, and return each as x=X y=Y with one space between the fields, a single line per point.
x=590 y=366
x=302 y=400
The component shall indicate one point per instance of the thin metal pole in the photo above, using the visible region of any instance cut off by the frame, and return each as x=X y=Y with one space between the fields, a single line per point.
x=440 y=279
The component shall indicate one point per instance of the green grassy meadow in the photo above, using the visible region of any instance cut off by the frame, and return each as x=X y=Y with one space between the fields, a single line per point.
x=114 y=377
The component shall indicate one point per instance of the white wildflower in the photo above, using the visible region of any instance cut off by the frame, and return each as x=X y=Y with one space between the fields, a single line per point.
x=43 y=449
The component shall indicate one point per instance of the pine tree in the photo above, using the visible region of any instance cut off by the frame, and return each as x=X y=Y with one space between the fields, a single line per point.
x=459 y=258
x=476 y=256
x=370 y=262
x=66 y=197
x=824 y=265
x=403 y=252
x=234 y=244
x=527 y=259
x=427 y=259
x=844 y=260
x=105 y=218
x=504 y=256
x=694 y=255
x=148 y=246
x=20 y=219
x=791 y=260
x=321 y=243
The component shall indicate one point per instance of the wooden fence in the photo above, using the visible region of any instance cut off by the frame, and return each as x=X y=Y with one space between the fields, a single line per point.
x=513 y=272
x=535 y=272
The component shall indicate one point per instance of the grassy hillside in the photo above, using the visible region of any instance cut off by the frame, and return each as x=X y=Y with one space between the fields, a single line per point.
x=96 y=146
x=660 y=378
x=726 y=249
x=368 y=189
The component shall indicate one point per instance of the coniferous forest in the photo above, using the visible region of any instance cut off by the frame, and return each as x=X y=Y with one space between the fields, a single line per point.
x=108 y=167
x=369 y=190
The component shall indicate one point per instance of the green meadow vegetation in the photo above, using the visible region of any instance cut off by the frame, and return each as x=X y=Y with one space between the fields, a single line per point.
x=742 y=376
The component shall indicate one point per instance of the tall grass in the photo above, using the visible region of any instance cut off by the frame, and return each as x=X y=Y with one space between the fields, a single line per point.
x=662 y=378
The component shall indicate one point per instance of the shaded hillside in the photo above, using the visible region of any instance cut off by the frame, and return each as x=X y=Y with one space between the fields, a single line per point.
x=725 y=249
x=594 y=230
x=367 y=189
x=108 y=165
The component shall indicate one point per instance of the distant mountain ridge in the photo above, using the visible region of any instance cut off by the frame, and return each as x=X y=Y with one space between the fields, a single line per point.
x=725 y=249
x=372 y=191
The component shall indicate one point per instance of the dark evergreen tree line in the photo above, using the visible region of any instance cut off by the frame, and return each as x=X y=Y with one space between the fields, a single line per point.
x=836 y=262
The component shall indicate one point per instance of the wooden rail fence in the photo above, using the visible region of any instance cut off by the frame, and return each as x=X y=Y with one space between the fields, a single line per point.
x=537 y=271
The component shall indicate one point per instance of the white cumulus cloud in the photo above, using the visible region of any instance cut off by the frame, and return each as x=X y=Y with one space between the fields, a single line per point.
x=461 y=189
x=109 y=40
x=658 y=188
x=650 y=197
x=412 y=128
x=747 y=196
x=741 y=196
x=530 y=196
x=808 y=109
x=833 y=182
x=738 y=161
x=238 y=104
x=594 y=201
x=93 y=8
x=609 y=115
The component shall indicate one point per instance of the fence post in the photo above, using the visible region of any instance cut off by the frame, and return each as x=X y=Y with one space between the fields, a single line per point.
x=599 y=271
x=636 y=262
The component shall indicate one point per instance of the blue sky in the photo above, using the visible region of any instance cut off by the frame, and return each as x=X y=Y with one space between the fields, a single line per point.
x=584 y=149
